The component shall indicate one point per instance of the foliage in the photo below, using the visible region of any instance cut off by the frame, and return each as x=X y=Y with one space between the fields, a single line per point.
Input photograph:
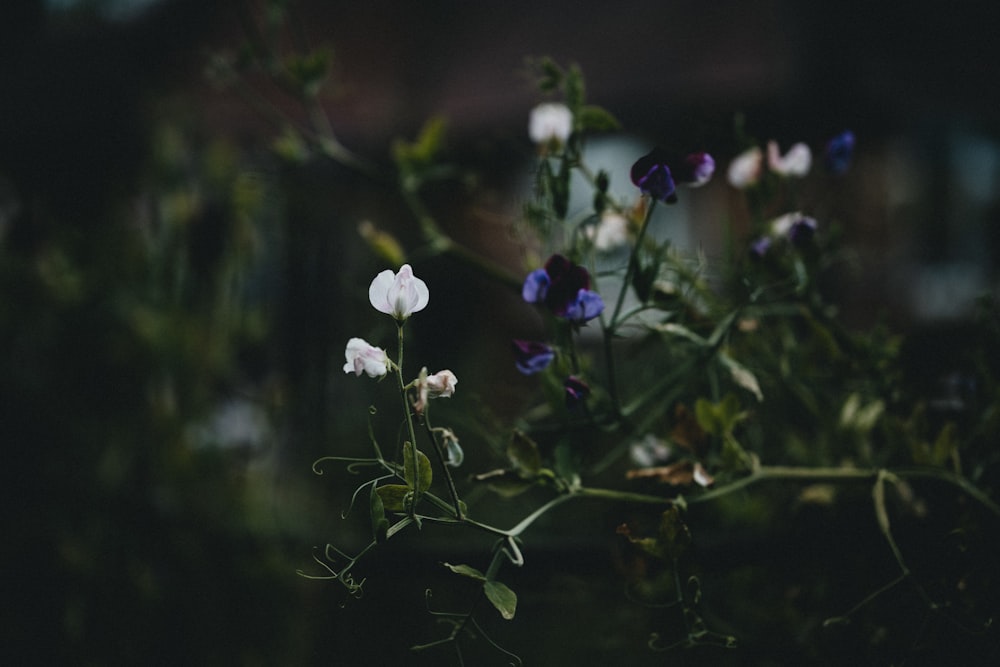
x=699 y=389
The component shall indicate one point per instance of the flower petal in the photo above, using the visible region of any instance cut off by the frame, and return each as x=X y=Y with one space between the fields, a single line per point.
x=378 y=291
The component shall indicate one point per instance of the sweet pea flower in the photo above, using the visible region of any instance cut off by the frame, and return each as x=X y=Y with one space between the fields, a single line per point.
x=441 y=384
x=610 y=232
x=398 y=294
x=797 y=228
x=652 y=176
x=796 y=162
x=839 y=153
x=365 y=358
x=577 y=391
x=550 y=122
x=745 y=169
x=650 y=451
x=531 y=356
x=760 y=246
x=564 y=287
x=802 y=231
x=587 y=305
x=695 y=170
x=657 y=175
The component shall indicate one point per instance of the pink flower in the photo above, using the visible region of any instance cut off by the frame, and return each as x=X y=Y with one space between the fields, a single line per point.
x=441 y=384
x=365 y=358
x=398 y=294
x=796 y=162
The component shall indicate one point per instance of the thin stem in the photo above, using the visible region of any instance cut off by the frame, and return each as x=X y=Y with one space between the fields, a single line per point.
x=409 y=418
x=439 y=450
x=611 y=328
x=633 y=263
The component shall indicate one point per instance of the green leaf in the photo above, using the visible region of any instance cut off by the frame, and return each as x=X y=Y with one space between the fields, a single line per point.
x=574 y=89
x=466 y=571
x=720 y=418
x=290 y=146
x=680 y=330
x=523 y=453
x=945 y=446
x=380 y=525
x=310 y=70
x=504 y=599
x=504 y=482
x=416 y=470
x=708 y=420
x=742 y=376
x=566 y=463
x=596 y=119
x=393 y=497
x=550 y=75
x=674 y=533
x=421 y=153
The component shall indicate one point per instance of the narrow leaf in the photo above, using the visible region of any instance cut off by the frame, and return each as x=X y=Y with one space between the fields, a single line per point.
x=380 y=525
x=466 y=571
x=742 y=376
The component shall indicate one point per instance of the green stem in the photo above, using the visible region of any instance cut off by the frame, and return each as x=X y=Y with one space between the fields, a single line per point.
x=438 y=449
x=633 y=263
x=611 y=328
x=409 y=418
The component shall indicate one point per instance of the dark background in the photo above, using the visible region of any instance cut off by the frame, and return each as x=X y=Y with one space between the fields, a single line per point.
x=125 y=545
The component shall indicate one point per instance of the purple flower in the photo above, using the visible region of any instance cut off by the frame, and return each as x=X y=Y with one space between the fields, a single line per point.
x=695 y=170
x=531 y=356
x=652 y=176
x=587 y=305
x=839 y=152
x=536 y=286
x=759 y=247
x=801 y=231
x=563 y=287
x=657 y=175
x=577 y=391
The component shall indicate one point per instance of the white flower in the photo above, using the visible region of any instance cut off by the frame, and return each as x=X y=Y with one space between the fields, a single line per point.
x=365 y=358
x=783 y=223
x=550 y=121
x=398 y=294
x=649 y=451
x=796 y=162
x=745 y=168
x=441 y=384
x=610 y=232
